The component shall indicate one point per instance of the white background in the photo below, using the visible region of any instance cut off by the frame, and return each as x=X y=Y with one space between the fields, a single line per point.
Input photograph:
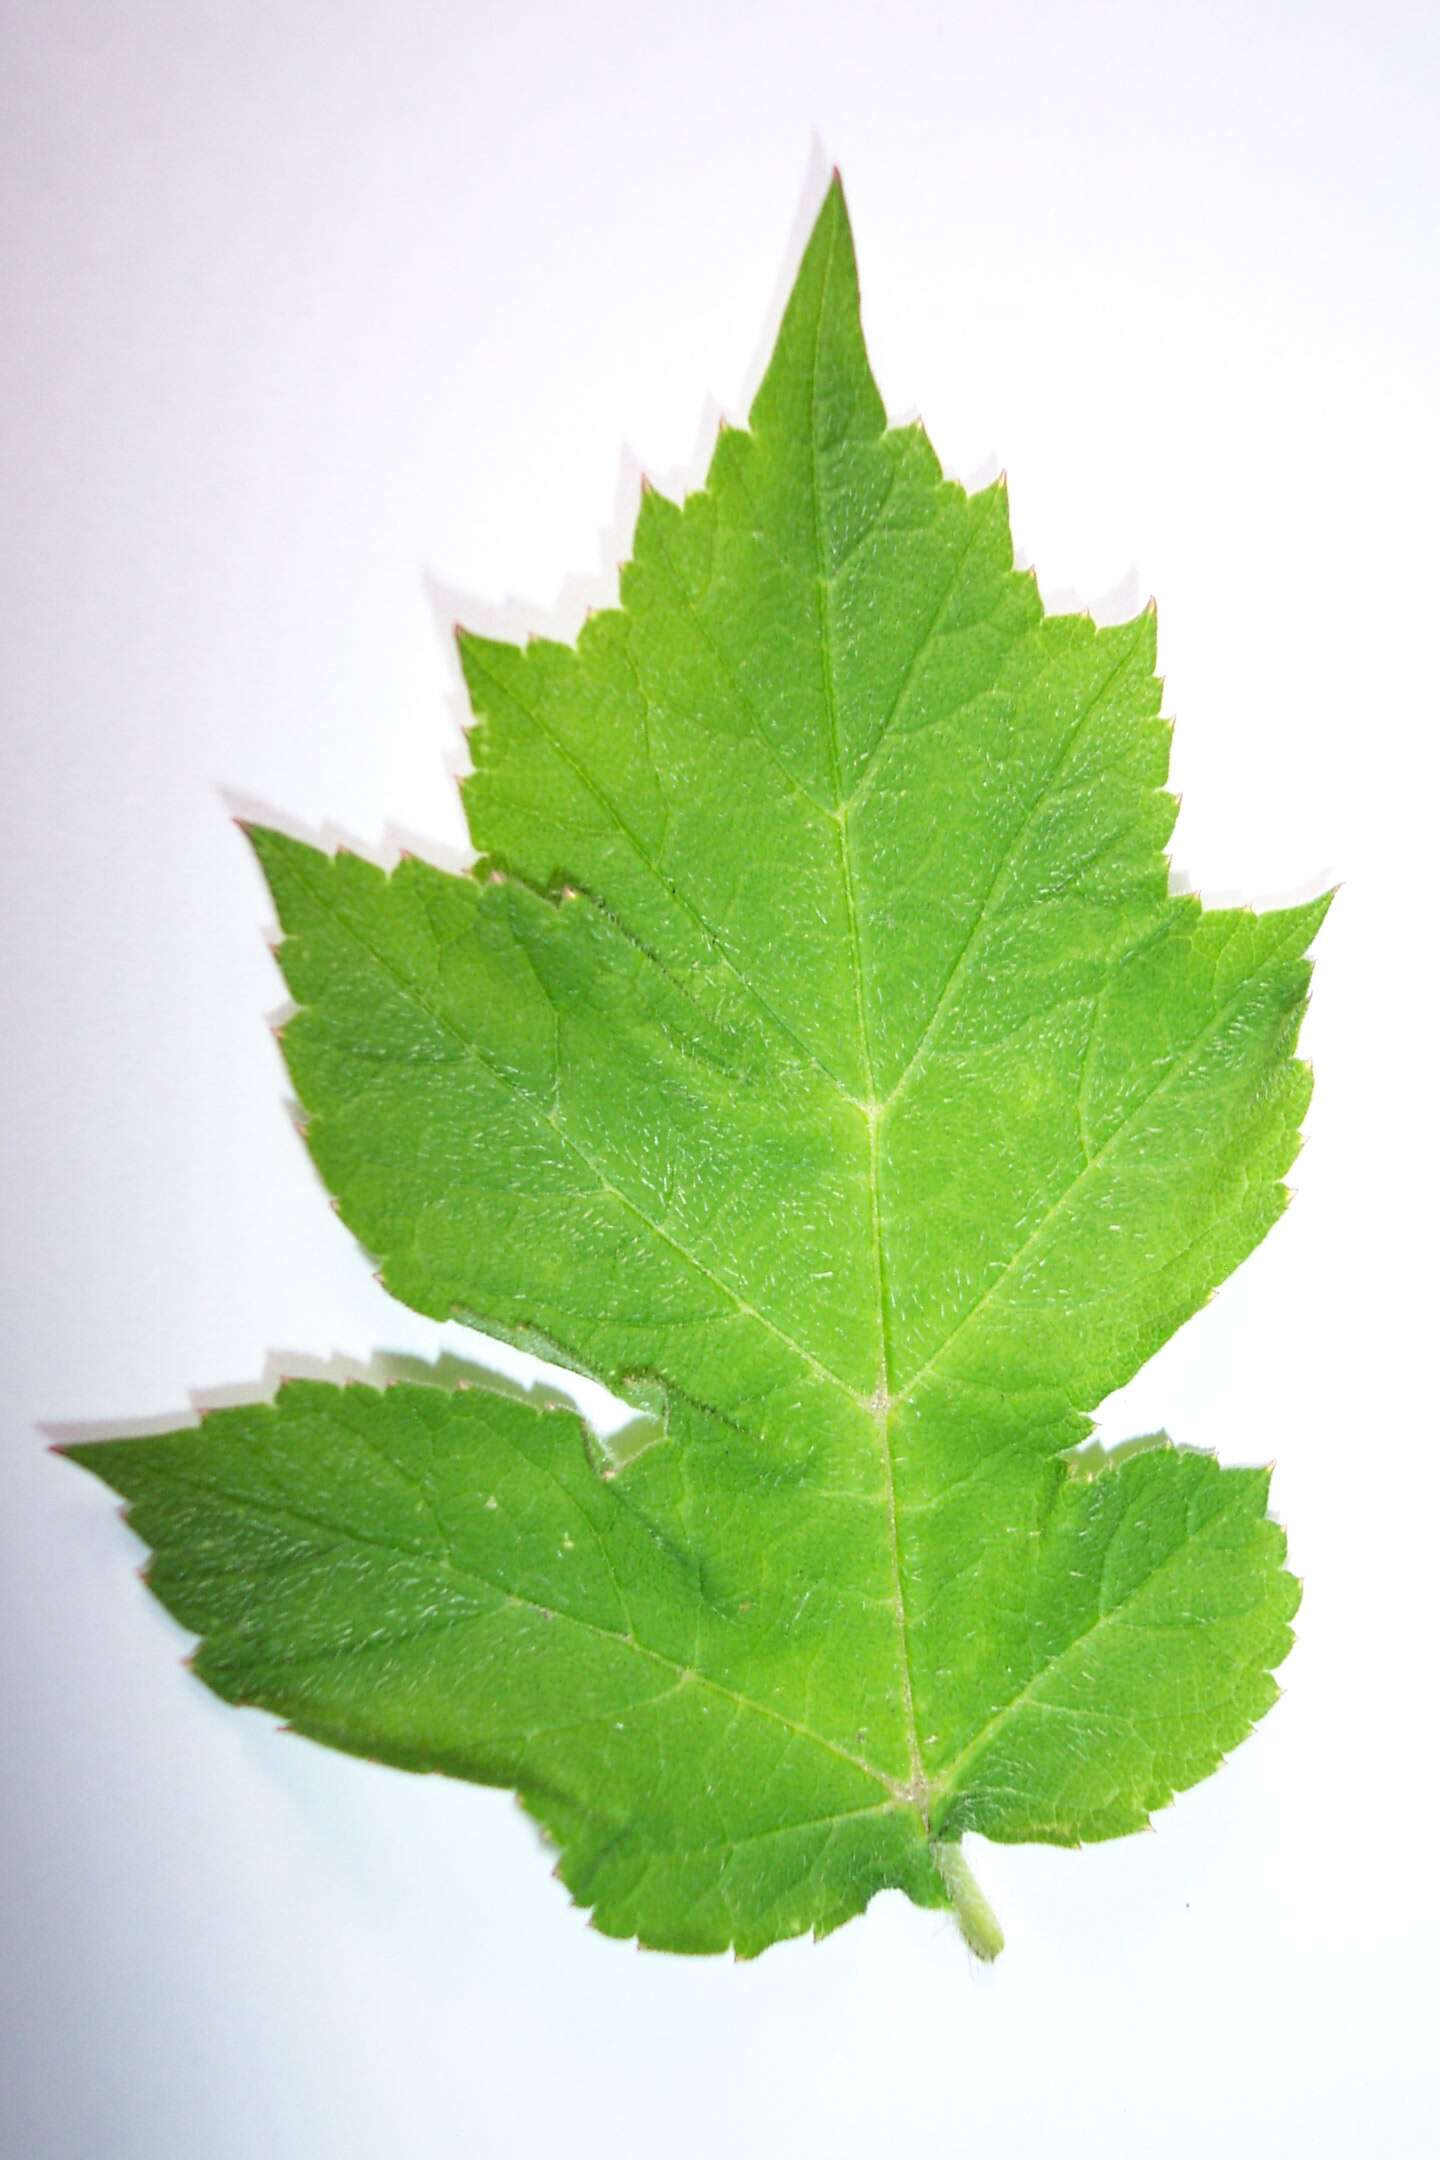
x=328 y=322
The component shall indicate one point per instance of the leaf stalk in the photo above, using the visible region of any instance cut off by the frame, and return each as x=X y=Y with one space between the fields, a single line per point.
x=973 y=1913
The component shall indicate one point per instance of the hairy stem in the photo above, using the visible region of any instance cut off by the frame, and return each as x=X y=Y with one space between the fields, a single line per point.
x=969 y=1903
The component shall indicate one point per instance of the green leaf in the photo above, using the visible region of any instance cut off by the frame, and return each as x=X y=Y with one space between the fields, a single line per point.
x=818 y=1058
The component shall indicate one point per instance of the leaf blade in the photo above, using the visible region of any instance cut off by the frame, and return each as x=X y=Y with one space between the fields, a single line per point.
x=818 y=1057
x=520 y=1626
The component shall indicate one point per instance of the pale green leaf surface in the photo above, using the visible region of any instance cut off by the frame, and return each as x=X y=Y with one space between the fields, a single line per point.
x=818 y=1058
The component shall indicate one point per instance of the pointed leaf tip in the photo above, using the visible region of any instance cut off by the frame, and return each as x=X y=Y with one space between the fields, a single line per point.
x=819 y=372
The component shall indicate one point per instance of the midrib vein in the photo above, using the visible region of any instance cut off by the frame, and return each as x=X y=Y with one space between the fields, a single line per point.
x=917 y=1791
